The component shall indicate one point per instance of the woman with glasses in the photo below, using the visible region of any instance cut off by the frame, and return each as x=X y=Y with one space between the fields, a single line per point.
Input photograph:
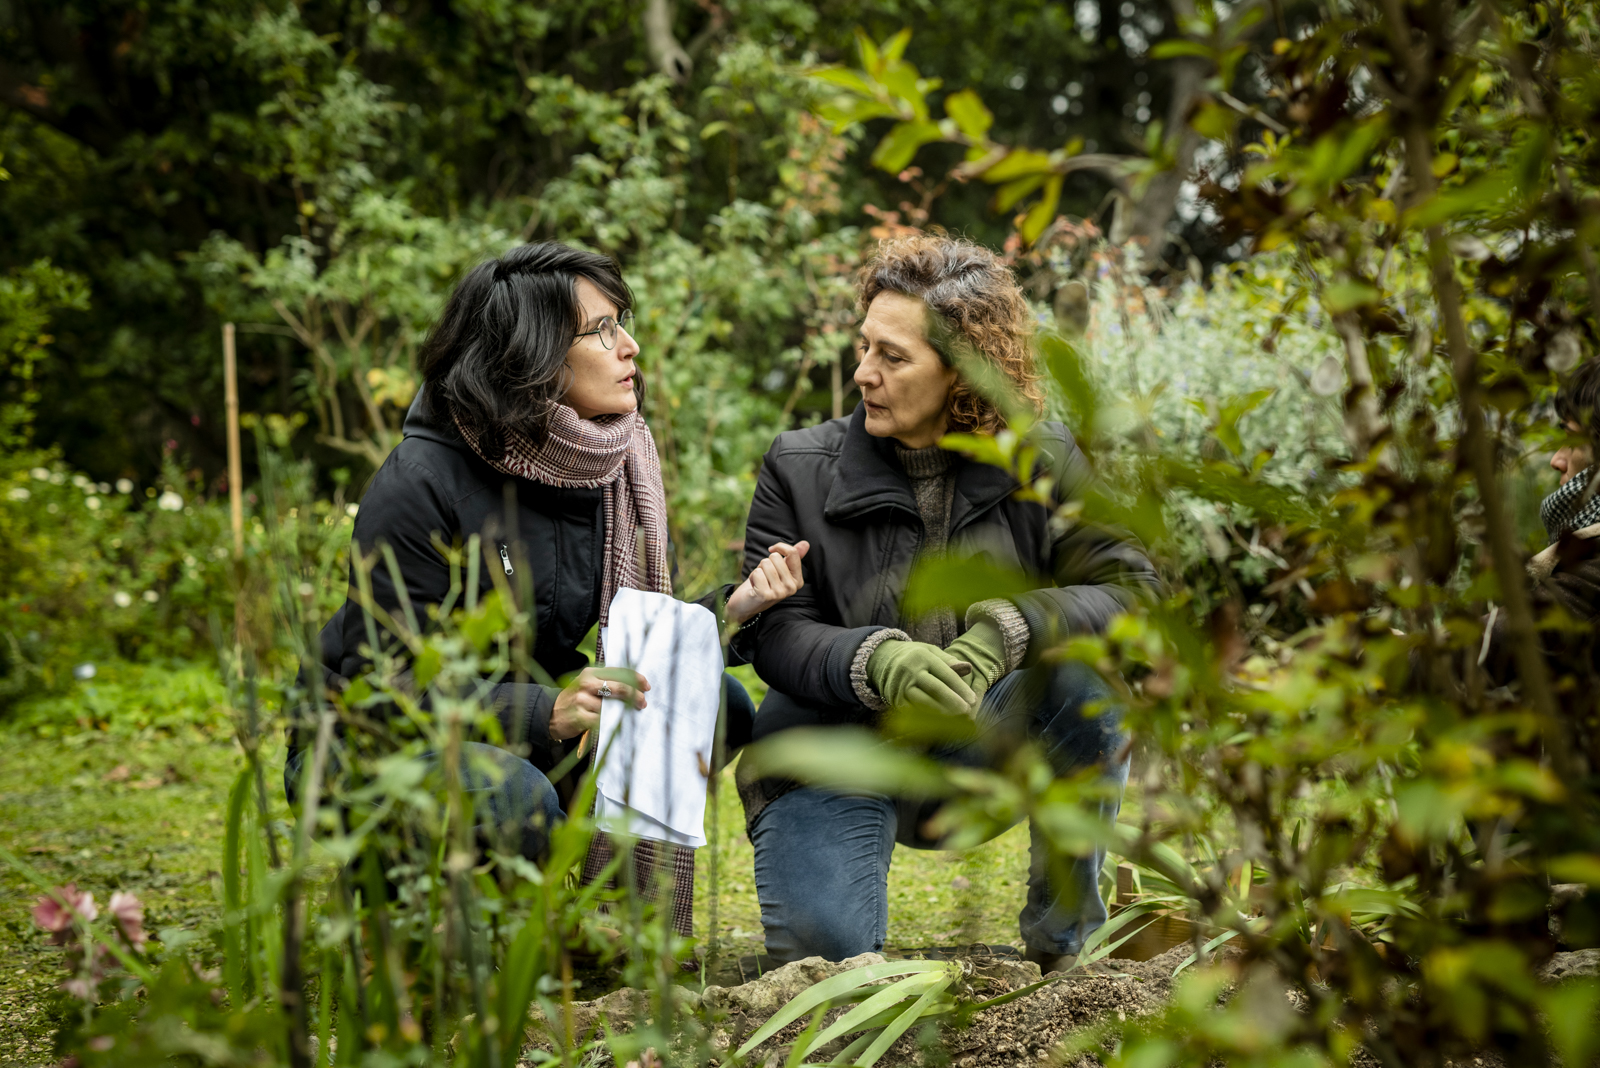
x=528 y=433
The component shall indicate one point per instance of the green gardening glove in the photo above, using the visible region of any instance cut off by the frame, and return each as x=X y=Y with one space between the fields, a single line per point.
x=919 y=674
x=984 y=647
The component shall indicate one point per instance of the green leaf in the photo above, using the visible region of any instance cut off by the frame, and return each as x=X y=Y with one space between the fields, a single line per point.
x=919 y=986
x=895 y=47
x=425 y=666
x=1348 y=294
x=1016 y=164
x=959 y=582
x=870 y=60
x=1043 y=213
x=898 y=147
x=847 y=758
x=1372 y=901
x=1008 y=195
x=1463 y=200
x=845 y=112
x=1570 y=1010
x=843 y=77
x=971 y=116
x=1576 y=868
x=887 y=1037
x=1230 y=411
x=831 y=988
x=1225 y=936
x=1177 y=47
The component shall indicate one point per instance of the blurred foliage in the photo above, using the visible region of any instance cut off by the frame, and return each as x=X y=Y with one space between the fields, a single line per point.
x=135 y=132
x=100 y=572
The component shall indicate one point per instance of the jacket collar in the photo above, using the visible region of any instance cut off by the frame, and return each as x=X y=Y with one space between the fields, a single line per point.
x=869 y=477
x=423 y=422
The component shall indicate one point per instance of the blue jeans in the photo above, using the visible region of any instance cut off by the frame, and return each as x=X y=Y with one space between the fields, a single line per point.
x=513 y=803
x=822 y=858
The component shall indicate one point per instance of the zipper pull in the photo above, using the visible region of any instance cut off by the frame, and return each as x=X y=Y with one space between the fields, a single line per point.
x=505 y=560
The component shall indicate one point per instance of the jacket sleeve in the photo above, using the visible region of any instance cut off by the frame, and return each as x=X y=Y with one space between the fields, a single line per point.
x=1098 y=573
x=402 y=510
x=793 y=649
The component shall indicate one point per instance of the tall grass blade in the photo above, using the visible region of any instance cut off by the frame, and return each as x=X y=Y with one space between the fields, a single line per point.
x=235 y=968
x=890 y=1034
x=831 y=988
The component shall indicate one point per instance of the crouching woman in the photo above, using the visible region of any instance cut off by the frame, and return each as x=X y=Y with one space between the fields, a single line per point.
x=873 y=493
x=528 y=433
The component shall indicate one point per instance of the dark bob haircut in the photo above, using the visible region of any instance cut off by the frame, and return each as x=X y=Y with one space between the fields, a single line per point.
x=1578 y=398
x=496 y=360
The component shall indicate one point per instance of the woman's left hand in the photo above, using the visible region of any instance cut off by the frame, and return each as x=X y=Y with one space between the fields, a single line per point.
x=777 y=577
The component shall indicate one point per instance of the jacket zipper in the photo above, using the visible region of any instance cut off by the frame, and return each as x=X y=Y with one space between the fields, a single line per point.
x=505 y=560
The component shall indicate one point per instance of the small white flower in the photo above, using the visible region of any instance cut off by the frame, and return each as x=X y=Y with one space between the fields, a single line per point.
x=102 y=487
x=93 y=503
x=351 y=509
x=151 y=596
x=41 y=473
x=169 y=502
x=52 y=508
x=84 y=672
x=59 y=478
x=81 y=481
x=18 y=493
x=121 y=599
x=188 y=560
x=124 y=485
x=306 y=590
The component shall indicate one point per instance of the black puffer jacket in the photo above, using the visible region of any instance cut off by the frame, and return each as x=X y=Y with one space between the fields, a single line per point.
x=845 y=492
x=434 y=487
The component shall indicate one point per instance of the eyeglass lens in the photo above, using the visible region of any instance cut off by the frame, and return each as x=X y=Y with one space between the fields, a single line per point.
x=608 y=328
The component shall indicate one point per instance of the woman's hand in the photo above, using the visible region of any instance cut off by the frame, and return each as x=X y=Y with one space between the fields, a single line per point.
x=777 y=577
x=578 y=706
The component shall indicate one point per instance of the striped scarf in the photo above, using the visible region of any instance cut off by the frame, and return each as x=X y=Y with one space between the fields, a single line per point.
x=1571 y=507
x=614 y=453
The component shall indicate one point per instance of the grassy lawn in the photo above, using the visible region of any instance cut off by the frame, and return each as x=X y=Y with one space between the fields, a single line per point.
x=126 y=789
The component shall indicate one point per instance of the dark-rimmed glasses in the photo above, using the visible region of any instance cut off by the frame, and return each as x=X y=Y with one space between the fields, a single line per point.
x=607 y=330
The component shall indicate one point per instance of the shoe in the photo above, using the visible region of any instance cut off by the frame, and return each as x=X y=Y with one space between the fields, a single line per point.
x=1050 y=961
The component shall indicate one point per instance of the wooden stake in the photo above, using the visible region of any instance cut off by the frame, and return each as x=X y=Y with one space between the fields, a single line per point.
x=230 y=386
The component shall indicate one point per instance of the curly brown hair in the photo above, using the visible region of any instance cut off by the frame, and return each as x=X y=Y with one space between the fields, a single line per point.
x=979 y=310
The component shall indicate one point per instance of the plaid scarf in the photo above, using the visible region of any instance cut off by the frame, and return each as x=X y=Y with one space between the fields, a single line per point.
x=1571 y=507
x=614 y=453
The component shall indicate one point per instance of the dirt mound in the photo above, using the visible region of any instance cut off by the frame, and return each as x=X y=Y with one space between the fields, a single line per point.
x=1016 y=1033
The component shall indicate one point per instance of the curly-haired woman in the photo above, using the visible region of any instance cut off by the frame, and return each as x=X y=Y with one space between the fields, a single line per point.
x=528 y=434
x=874 y=493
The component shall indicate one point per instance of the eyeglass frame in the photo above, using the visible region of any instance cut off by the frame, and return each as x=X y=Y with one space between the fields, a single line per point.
x=621 y=322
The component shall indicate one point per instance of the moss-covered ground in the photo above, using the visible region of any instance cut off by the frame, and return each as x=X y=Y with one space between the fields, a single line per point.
x=121 y=785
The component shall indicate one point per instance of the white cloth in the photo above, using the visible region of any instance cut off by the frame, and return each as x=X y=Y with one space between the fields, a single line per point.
x=654 y=761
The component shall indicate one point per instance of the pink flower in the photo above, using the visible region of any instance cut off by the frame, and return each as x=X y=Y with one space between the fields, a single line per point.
x=55 y=912
x=128 y=912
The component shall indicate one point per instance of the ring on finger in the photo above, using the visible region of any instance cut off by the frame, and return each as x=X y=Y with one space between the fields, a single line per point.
x=605 y=690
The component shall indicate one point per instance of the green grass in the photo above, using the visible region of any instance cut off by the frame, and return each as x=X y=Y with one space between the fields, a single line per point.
x=122 y=783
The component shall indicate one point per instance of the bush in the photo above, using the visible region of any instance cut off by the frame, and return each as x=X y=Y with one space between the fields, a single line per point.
x=98 y=572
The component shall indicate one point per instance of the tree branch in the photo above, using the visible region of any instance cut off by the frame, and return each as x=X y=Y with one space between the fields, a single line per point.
x=665 y=51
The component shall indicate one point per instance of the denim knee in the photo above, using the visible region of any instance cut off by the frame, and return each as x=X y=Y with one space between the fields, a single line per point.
x=821 y=867
x=1078 y=718
x=520 y=801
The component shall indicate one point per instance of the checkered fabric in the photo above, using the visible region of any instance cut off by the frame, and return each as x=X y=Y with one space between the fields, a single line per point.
x=647 y=855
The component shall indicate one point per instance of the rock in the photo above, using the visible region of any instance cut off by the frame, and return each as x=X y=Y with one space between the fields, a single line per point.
x=762 y=997
x=1571 y=965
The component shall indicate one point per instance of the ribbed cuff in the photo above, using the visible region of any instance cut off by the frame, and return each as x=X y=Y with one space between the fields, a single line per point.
x=1013 y=629
x=858 y=667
